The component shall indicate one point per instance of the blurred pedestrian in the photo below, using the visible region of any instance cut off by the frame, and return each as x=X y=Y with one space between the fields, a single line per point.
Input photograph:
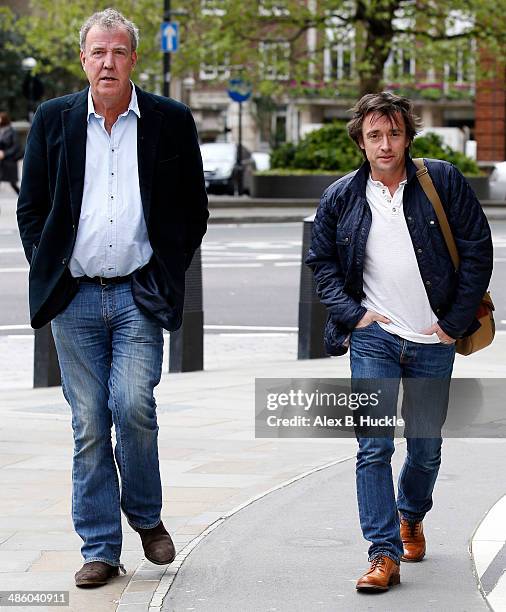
x=111 y=210
x=9 y=152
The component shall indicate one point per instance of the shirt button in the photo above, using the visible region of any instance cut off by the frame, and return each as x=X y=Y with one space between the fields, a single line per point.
x=112 y=197
x=419 y=250
x=428 y=283
x=110 y=245
x=64 y=261
x=431 y=222
x=346 y=239
x=410 y=218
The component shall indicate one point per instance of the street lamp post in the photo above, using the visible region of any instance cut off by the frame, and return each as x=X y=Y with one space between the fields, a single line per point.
x=166 y=54
x=29 y=84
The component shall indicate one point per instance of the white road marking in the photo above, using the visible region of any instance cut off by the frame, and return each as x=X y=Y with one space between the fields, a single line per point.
x=14 y=270
x=11 y=250
x=232 y=265
x=252 y=328
x=13 y=327
x=256 y=334
x=284 y=264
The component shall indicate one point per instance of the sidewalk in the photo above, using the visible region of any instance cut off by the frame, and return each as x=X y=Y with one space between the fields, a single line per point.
x=210 y=463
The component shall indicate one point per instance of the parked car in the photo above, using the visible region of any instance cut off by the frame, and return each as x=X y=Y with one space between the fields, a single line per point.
x=219 y=160
x=497 y=182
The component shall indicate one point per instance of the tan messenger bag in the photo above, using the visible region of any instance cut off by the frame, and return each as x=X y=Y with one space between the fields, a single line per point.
x=484 y=335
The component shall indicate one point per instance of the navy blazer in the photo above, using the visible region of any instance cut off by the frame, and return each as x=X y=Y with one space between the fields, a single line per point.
x=340 y=232
x=173 y=194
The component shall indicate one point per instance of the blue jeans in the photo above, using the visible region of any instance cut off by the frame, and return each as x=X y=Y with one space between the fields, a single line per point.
x=377 y=354
x=110 y=356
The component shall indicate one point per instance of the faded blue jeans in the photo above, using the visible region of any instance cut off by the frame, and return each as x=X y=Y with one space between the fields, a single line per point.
x=376 y=354
x=110 y=356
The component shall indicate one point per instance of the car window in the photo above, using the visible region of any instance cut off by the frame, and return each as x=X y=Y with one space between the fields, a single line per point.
x=218 y=151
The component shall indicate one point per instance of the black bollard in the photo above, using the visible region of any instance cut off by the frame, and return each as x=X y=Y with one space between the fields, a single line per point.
x=312 y=314
x=46 y=370
x=187 y=343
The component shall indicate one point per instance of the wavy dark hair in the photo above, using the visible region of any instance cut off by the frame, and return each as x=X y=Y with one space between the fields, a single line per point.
x=383 y=104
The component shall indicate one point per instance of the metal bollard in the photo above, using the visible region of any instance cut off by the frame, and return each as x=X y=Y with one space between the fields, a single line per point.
x=186 y=352
x=46 y=370
x=312 y=314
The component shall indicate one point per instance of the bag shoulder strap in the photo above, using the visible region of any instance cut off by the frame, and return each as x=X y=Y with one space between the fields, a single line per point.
x=430 y=191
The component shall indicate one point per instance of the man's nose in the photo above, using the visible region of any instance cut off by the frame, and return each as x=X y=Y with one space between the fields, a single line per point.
x=108 y=60
x=385 y=142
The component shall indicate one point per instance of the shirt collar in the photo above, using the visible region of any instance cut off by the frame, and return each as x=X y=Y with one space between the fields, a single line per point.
x=380 y=184
x=133 y=105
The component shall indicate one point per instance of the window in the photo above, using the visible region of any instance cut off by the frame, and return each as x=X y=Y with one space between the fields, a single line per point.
x=213 y=7
x=275 y=62
x=214 y=69
x=272 y=8
x=339 y=60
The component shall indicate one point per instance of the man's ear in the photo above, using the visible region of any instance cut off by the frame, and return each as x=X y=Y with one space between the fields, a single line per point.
x=361 y=142
x=82 y=57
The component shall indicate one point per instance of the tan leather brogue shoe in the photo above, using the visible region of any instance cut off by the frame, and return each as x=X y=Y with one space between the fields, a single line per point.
x=95 y=574
x=413 y=541
x=157 y=544
x=382 y=574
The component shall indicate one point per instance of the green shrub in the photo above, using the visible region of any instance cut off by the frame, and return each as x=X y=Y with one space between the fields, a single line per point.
x=328 y=148
x=432 y=146
x=331 y=149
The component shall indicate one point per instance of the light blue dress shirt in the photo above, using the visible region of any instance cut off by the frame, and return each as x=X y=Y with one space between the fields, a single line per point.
x=112 y=238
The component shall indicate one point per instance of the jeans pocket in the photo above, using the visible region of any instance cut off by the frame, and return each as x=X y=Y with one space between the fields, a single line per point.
x=367 y=327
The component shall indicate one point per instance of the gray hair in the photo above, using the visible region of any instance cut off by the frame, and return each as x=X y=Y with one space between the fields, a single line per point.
x=109 y=19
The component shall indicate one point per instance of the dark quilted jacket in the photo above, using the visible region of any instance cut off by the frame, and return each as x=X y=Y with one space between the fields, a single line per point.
x=340 y=232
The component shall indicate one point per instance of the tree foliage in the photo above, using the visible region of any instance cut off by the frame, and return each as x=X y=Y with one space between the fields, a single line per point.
x=241 y=35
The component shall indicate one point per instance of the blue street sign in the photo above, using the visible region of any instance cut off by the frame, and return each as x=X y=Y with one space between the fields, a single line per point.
x=169 y=35
x=239 y=90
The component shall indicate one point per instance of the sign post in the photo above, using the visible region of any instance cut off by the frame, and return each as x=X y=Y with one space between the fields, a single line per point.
x=169 y=41
x=239 y=91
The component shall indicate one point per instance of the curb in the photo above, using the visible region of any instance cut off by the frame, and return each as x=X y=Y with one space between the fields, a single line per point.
x=488 y=553
x=158 y=595
x=168 y=575
x=256 y=219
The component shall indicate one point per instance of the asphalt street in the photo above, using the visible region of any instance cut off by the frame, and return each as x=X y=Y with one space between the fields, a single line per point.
x=300 y=548
x=251 y=276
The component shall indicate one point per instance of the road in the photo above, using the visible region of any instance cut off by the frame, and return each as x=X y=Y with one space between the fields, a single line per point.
x=250 y=276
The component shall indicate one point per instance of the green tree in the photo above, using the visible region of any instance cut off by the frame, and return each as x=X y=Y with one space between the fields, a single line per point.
x=265 y=40
x=11 y=56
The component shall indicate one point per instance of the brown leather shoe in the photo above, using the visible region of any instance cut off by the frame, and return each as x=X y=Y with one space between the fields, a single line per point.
x=95 y=574
x=157 y=544
x=413 y=541
x=382 y=574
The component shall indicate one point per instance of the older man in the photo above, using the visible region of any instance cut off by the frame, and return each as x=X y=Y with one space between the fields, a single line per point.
x=383 y=271
x=111 y=210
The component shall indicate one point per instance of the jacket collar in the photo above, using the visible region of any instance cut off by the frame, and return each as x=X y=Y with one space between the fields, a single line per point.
x=74 y=137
